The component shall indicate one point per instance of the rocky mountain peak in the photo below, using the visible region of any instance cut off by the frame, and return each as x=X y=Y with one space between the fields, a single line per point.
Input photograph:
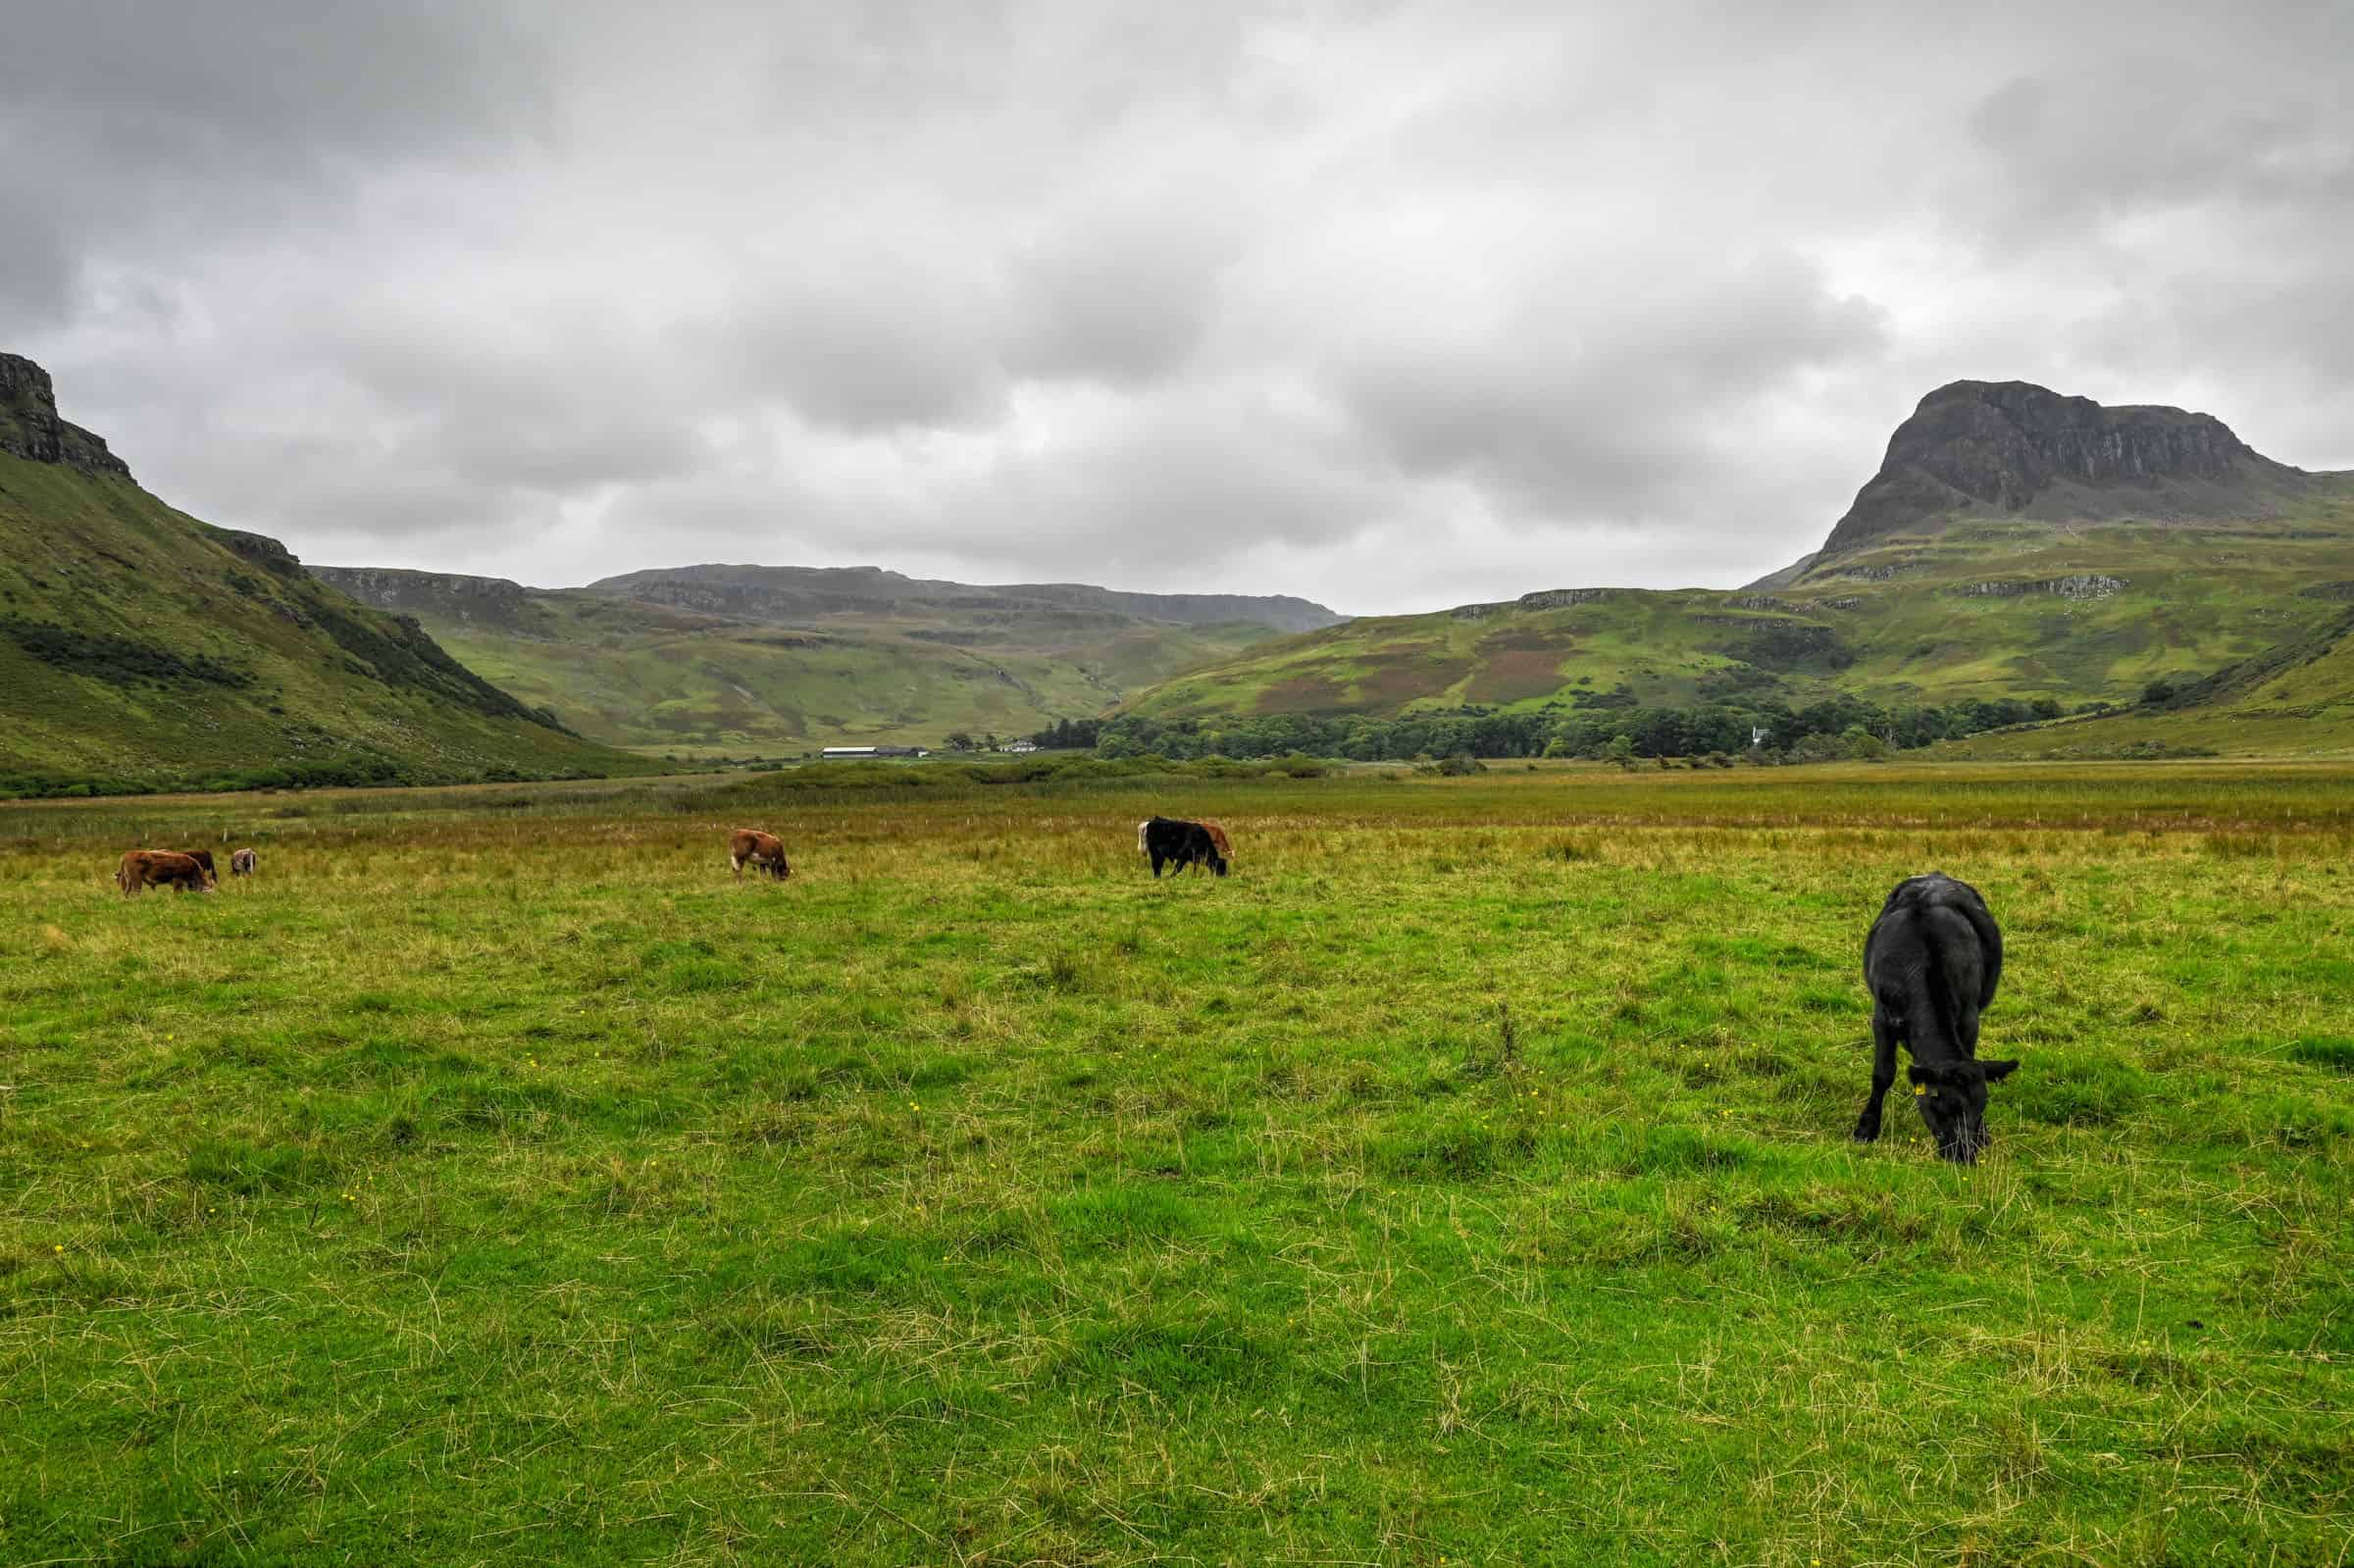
x=2012 y=448
x=30 y=426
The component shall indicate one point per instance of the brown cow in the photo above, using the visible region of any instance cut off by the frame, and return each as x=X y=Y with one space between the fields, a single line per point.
x=240 y=864
x=204 y=858
x=762 y=851
x=143 y=868
x=1217 y=835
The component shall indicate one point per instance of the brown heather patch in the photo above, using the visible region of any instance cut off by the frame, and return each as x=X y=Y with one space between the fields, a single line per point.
x=1303 y=694
x=1393 y=685
x=1514 y=674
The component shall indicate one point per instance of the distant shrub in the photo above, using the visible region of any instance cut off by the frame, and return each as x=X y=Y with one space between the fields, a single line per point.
x=118 y=661
x=1859 y=744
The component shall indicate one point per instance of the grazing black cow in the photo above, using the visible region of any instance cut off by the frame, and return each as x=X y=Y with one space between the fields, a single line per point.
x=1167 y=841
x=1933 y=961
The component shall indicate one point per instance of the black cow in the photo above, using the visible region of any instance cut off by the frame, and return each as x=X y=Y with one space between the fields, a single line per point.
x=1167 y=841
x=1933 y=961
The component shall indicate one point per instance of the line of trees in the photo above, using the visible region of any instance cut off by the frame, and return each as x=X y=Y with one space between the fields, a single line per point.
x=1772 y=730
x=1069 y=735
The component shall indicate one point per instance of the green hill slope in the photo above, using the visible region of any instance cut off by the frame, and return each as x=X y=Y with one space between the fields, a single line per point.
x=752 y=659
x=2296 y=698
x=141 y=648
x=2075 y=584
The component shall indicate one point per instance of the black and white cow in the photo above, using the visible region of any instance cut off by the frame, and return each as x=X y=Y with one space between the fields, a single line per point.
x=1933 y=961
x=1167 y=841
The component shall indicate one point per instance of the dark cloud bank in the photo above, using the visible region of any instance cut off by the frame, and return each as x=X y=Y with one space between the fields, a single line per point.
x=1388 y=306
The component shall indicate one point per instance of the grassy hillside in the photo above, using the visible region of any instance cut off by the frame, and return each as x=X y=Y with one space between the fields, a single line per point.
x=1979 y=609
x=141 y=648
x=785 y=675
x=794 y=594
x=2294 y=699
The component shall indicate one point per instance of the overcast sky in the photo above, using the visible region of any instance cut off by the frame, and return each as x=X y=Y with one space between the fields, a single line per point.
x=1390 y=305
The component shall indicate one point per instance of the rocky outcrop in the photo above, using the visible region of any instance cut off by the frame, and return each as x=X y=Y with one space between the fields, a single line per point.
x=30 y=426
x=2080 y=585
x=2010 y=449
x=259 y=548
x=447 y=595
x=1561 y=598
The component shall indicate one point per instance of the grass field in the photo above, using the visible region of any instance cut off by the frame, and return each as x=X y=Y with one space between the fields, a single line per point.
x=1464 y=1180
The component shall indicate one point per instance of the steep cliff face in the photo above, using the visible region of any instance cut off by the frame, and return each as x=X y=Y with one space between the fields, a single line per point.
x=31 y=428
x=2010 y=449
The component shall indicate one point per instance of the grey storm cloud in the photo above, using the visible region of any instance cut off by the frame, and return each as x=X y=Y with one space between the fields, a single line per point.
x=1610 y=409
x=1382 y=305
x=126 y=123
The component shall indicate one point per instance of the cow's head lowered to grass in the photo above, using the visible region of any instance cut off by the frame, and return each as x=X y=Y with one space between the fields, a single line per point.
x=1952 y=1096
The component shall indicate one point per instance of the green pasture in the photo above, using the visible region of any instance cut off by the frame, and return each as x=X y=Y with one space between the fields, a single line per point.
x=493 y=1180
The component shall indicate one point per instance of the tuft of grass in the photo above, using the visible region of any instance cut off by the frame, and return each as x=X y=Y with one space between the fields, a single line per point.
x=2333 y=1052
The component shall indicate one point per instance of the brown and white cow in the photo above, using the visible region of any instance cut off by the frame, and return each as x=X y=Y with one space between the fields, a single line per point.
x=143 y=868
x=241 y=863
x=762 y=851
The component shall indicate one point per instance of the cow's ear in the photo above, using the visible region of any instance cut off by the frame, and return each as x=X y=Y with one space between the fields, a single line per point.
x=1996 y=1072
x=1924 y=1075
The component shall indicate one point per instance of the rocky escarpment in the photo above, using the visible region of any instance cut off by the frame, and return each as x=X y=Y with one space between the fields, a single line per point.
x=2010 y=449
x=30 y=426
x=448 y=595
x=796 y=592
x=2076 y=586
x=1542 y=599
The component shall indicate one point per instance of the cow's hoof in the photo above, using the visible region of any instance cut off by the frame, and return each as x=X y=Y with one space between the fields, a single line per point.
x=1866 y=1132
